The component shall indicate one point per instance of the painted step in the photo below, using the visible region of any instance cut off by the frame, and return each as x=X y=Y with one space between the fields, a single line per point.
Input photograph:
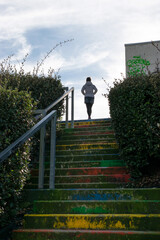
x=81 y=136
x=87 y=157
x=93 y=194
x=86 y=179
x=97 y=207
x=87 y=146
x=87 y=141
x=92 y=133
x=91 y=171
x=93 y=179
x=47 y=234
x=88 y=129
x=86 y=122
x=142 y=222
x=75 y=186
x=84 y=125
x=102 y=163
x=84 y=171
x=69 y=162
x=87 y=152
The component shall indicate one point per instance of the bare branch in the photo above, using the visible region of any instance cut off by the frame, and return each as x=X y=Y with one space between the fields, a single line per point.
x=39 y=64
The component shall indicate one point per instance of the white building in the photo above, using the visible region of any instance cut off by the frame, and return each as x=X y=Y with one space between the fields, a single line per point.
x=141 y=57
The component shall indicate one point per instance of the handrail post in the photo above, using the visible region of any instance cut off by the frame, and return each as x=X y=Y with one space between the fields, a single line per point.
x=52 y=154
x=72 y=110
x=41 y=157
x=66 y=110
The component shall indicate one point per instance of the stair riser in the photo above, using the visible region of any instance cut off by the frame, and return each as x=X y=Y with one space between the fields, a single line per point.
x=74 y=163
x=109 y=207
x=93 y=133
x=89 y=129
x=91 y=171
x=92 y=157
x=94 y=222
x=81 y=235
x=84 y=171
x=86 y=146
x=88 y=123
x=88 y=152
x=86 y=141
x=76 y=186
x=88 y=137
x=98 y=194
x=86 y=179
x=109 y=163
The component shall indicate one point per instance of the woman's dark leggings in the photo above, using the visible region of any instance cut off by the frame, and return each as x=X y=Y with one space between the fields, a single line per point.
x=89 y=109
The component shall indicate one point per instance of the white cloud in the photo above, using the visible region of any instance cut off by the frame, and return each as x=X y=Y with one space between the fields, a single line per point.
x=101 y=28
x=89 y=55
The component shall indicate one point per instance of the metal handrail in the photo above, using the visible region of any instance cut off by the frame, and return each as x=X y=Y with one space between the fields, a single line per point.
x=65 y=95
x=41 y=125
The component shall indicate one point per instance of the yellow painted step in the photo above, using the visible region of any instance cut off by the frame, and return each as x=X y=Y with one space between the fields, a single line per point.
x=87 y=146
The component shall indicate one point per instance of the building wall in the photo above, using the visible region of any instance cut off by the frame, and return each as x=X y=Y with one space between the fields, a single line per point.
x=142 y=56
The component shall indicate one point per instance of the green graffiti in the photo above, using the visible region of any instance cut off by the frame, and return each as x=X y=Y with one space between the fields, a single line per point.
x=137 y=65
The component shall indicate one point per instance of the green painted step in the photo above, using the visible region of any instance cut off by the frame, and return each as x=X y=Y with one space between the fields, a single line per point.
x=50 y=234
x=72 y=163
x=97 y=207
x=93 y=194
x=102 y=163
x=142 y=222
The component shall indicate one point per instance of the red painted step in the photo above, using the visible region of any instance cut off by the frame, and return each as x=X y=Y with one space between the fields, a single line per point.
x=48 y=234
x=92 y=171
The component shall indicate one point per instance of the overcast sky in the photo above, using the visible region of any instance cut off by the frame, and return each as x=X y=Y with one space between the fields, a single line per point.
x=100 y=28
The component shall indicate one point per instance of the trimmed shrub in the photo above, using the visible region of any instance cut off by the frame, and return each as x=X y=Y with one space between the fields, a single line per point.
x=135 y=112
x=15 y=119
x=44 y=90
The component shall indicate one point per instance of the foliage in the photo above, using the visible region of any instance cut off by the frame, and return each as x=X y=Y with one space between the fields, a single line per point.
x=135 y=112
x=15 y=119
x=20 y=94
x=44 y=89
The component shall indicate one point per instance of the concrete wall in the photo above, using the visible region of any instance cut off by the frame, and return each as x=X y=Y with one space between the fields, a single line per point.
x=142 y=56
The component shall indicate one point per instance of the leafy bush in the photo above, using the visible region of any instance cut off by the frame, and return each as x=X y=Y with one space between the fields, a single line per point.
x=15 y=119
x=135 y=112
x=44 y=89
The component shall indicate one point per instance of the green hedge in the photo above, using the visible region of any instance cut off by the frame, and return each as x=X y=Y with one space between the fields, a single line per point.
x=15 y=119
x=44 y=89
x=135 y=112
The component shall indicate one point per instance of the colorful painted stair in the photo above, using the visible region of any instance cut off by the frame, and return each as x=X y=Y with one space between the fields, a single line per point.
x=90 y=200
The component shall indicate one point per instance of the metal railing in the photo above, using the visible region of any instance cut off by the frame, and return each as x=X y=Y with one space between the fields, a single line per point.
x=43 y=112
x=41 y=126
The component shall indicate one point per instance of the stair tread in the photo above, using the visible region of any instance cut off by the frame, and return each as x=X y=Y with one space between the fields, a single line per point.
x=93 y=215
x=98 y=201
x=87 y=231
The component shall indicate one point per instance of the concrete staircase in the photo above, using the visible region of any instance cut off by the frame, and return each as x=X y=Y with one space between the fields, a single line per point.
x=90 y=200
